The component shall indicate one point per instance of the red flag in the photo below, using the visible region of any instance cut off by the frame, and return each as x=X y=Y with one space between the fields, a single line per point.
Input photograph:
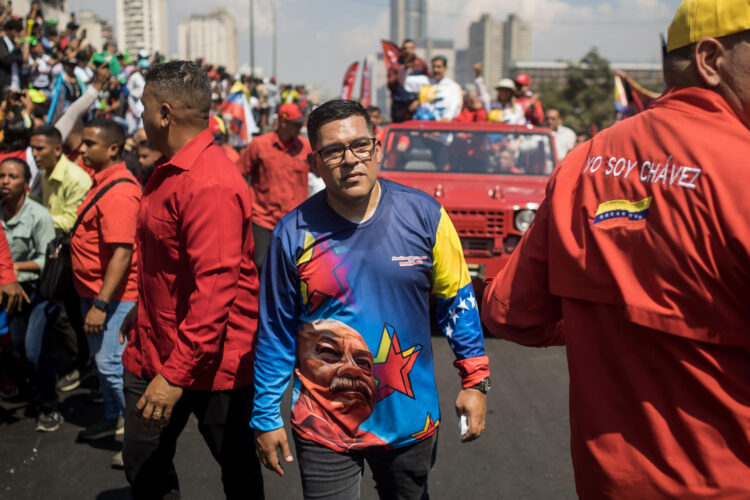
x=347 y=89
x=391 y=53
x=364 y=92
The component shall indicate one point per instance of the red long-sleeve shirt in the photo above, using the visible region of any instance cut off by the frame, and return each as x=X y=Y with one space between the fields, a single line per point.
x=197 y=284
x=639 y=261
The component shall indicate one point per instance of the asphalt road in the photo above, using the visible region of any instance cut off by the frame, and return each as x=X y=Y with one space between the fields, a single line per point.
x=524 y=454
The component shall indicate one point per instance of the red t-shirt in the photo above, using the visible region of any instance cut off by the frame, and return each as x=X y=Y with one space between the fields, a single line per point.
x=110 y=221
x=198 y=286
x=639 y=262
x=277 y=174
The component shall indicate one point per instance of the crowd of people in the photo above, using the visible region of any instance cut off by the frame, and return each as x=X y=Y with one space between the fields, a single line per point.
x=206 y=272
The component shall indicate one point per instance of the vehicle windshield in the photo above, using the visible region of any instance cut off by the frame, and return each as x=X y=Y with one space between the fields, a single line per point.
x=468 y=152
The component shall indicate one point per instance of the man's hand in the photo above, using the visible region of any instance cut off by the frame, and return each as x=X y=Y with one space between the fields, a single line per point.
x=127 y=324
x=474 y=404
x=478 y=70
x=94 y=322
x=267 y=443
x=13 y=297
x=158 y=401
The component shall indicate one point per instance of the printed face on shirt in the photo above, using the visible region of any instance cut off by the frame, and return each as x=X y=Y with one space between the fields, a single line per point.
x=353 y=180
x=12 y=181
x=333 y=355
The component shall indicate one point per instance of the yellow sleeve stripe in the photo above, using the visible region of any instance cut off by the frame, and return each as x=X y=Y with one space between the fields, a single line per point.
x=449 y=271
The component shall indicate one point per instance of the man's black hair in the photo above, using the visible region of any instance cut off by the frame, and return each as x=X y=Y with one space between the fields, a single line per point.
x=109 y=130
x=407 y=40
x=440 y=58
x=372 y=109
x=331 y=111
x=24 y=166
x=182 y=80
x=144 y=144
x=14 y=24
x=50 y=132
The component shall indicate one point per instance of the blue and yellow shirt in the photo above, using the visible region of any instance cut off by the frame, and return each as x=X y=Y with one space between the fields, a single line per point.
x=346 y=307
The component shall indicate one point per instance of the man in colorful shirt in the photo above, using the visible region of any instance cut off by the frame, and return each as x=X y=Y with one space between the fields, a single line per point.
x=638 y=262
x=345 y=305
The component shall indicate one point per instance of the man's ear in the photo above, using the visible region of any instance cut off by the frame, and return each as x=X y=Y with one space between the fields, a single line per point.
x=708 y=56
x=313 y=164
x=166 y=114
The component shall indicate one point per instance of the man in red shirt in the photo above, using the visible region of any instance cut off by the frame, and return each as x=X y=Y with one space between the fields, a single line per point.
x=192 y=347
x=638 y=263
x=528 y=100
x=275 y=166
x=104 y=267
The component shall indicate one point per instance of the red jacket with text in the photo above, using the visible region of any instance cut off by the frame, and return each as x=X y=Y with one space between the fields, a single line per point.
x=639 y=262
x=197 y=284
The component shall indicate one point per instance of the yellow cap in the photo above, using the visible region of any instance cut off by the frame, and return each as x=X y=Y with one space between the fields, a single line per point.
x=696 y=19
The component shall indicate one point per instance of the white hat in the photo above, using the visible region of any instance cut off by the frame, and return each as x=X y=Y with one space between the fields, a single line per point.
x=506 y=83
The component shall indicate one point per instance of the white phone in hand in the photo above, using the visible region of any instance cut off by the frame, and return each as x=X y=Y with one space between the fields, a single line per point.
x=463 y=424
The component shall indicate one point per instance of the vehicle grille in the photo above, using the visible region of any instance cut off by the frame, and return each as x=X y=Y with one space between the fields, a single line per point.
x=478 y=223
x=477 y=244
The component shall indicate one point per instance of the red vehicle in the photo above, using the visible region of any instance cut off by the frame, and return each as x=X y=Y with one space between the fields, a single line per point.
x=489 y=177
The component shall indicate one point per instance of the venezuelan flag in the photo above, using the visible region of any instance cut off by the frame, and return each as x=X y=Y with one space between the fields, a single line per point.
x=625 y=213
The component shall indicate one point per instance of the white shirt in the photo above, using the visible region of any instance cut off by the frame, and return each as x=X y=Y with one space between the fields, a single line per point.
x=565 y=140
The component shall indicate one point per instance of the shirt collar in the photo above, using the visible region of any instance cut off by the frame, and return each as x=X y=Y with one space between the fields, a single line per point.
x=186 y=157
x=102 y=176
x=58 y=173
x=690 y=99
x=282 y=145
x=20 y=215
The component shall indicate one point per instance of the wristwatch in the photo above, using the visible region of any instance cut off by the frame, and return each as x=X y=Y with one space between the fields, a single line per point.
x=483 y=386
x=101 y=305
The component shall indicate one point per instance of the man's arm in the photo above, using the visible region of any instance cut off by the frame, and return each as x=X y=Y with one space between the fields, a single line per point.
x=517 y=304
x=116 y=269
x=71 y=197
x=458 y=317
x=248 y=161
x=275 y=352
x=11 y=293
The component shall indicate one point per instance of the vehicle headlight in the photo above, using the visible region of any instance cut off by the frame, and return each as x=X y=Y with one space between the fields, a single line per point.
x=523 y=219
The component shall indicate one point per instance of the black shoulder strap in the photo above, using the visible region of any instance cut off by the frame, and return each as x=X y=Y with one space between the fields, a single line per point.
x=97 y=198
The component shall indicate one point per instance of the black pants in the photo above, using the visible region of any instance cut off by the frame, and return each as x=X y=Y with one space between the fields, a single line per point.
x=399 y=474
x=223 y=418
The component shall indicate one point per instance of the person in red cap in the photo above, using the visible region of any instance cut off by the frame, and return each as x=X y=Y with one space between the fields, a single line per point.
x=528 y=100
x=638 y=262
x=275 y=166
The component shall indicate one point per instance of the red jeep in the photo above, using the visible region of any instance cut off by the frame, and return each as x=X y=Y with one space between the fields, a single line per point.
x=489 y=177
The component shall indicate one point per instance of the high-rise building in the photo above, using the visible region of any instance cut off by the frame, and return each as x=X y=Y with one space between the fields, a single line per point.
x=408 y=20
x=210 y=36
x=516 y=41
x=486 y=46
x=98 y=30
x=142 y=25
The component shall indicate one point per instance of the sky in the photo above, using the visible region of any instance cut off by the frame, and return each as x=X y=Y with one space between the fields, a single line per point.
x=318 y=39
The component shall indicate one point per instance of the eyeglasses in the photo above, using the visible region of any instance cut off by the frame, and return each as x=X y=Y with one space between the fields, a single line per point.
x=333 y=156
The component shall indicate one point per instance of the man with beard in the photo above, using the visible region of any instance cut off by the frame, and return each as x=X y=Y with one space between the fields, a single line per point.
x=337 y=390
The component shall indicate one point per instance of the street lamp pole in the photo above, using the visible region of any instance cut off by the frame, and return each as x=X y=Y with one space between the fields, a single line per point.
x=273 y=13
x=252 y=40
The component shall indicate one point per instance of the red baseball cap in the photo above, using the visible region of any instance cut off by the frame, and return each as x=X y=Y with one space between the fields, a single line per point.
x=290 y=112
x=522 y=79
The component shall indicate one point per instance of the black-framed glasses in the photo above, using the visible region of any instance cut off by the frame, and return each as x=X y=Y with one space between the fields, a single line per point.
x=333 y=155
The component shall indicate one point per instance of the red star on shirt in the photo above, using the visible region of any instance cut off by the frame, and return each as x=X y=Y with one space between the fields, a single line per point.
x=392 y=365
x=322 y=273
x=430 y=427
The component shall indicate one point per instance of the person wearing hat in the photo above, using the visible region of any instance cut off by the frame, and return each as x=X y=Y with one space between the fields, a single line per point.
x=528 y=100
x=275 y=166
x=638 y=262
x=506 y=109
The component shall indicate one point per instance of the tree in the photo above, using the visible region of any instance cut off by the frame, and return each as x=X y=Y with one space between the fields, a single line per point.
x=586 y=97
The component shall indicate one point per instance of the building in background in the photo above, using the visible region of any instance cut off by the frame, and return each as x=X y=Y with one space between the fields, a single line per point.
x=51 y=9
x=142 y=25
x=648 y=75
x=516 y=42
x=98 y=30
x=210 y=36
x=408 y=20
x=486 y=44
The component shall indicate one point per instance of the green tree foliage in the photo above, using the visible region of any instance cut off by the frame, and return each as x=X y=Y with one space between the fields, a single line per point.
x=586 y=97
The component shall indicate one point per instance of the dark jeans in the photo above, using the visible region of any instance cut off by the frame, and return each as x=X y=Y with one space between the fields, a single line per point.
x=399 y=474
x=223 y=418
x=262 y=240
x=31 y=331
x=69 y=326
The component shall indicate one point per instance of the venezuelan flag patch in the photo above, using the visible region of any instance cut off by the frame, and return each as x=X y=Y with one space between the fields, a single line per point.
x=622 y=213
